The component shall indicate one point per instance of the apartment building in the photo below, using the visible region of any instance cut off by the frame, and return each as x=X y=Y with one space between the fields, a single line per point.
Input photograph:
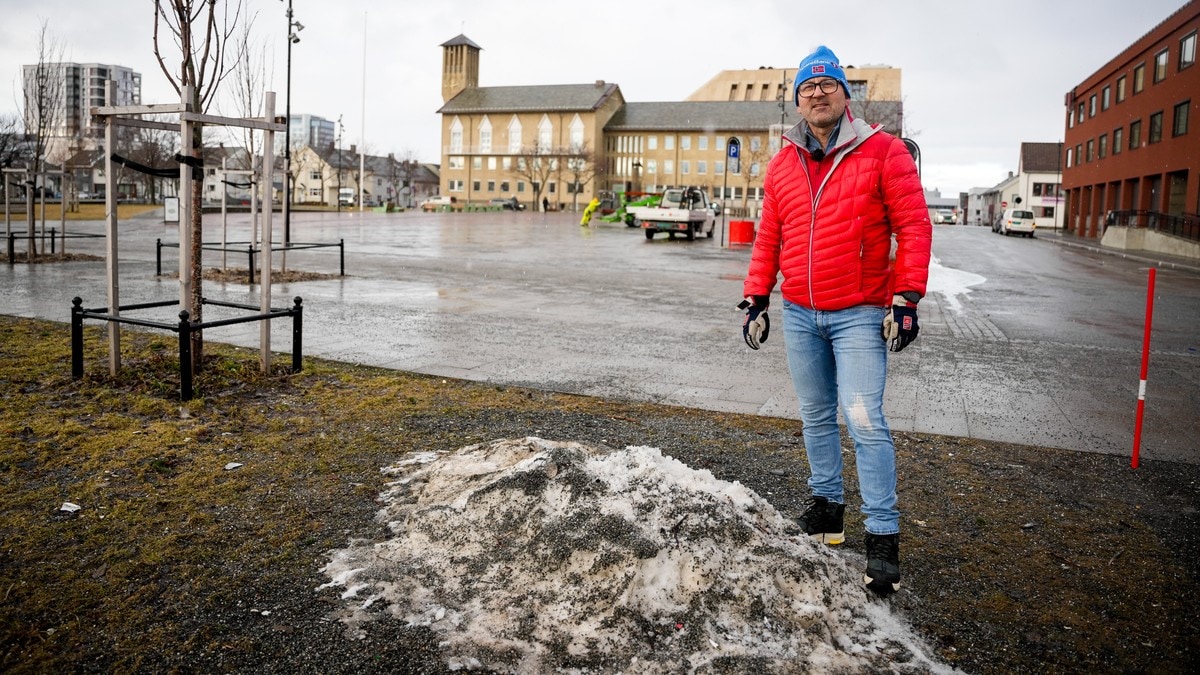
x=567 y=143
x=64 y=94
x=1130 y=144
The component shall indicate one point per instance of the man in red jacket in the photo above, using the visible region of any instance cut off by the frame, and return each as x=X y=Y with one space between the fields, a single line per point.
x=835 y=196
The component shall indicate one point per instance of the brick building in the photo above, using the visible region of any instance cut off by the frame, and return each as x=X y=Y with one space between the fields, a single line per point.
x=1130 y=146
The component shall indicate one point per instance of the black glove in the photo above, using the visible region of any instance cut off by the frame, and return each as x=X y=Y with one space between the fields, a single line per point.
x=900 y=323
x=757 y=325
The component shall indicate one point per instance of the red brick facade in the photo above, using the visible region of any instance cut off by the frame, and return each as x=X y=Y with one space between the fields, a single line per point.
x=1133 y=129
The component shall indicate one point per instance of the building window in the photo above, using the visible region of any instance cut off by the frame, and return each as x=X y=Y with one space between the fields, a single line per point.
x=1155 y=134
x=475 y=186
x=521 y=186
x=668 y=142
x=719 y=167
x=455 y=186
x=1135 y=134
x=1092 y=106
x=685 y=142
x=314 y=192
x=1106 y=98
x=1079 y=114
x=457 y=162
x=477 y=163
x=504 y=186
x=702 y=143
x=685 y=167
x=1118 y=139
x=491 y=186
x=1120 y=89
x=1091 y=150
x=1078 y=154
x=1070 y=155
x=701 y=166
x=1160 y=66
x=485 y=136
x=514 y=136
x=1102 y=147
x=1187 y=51
x=314 y=175
x=652 y=166
x=652 y=141
x=858 y=90
x=1179 y=124
x=668 y=166
x=1139 y=78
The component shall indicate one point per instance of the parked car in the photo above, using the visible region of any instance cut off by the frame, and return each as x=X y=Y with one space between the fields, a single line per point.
x=509 y=203
x=944 y=217
x=437 y=203
x=1018 y=221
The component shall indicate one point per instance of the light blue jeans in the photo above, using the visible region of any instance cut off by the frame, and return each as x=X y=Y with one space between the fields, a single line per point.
x=838 y=359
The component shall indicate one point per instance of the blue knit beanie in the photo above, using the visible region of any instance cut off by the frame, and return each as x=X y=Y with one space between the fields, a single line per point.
x=822 y=62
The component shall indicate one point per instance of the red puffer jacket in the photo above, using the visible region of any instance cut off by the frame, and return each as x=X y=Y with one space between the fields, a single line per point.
x=833 y=242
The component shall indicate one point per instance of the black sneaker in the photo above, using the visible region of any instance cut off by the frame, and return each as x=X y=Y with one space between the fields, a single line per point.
x=822 y=520
x=883 y=563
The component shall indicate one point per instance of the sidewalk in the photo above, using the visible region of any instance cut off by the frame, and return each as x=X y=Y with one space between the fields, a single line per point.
x=1154 y=258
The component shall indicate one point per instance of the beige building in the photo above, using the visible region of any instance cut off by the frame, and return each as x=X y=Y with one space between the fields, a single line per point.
x=568 y=143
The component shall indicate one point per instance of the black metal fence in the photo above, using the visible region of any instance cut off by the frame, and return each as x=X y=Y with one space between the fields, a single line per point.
x=53 y=234
x=184 y=328
x=1186 y=226
x=250 y=251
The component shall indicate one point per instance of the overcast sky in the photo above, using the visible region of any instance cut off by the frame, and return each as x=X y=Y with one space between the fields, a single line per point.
x=979 y=78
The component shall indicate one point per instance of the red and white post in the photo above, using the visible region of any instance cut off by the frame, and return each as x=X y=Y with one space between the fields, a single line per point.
x=1141 y=403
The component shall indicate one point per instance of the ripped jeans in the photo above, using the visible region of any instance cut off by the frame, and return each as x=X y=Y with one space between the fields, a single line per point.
x=838 y=359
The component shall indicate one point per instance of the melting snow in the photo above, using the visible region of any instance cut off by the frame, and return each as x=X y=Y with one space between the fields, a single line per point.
x=951 y=283
x=536 y=556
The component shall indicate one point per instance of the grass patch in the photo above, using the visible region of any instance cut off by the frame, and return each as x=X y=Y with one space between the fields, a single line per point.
x=1016 y=559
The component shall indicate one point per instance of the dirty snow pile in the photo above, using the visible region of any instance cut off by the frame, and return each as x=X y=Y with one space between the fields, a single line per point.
x=535 y=556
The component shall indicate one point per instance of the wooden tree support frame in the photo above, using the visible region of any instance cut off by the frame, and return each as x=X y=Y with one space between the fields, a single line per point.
x=131 y=115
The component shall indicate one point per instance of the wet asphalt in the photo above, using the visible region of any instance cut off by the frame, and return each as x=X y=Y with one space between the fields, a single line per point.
x=1035 y=342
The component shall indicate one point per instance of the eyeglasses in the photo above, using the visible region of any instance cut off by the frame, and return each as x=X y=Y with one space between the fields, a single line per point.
x=809 y=89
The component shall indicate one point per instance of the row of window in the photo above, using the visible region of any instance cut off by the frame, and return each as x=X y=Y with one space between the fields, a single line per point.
x=1120 y=89
x=458 y=185
x=649 y=167
x=634 y=144
x=1097 y=148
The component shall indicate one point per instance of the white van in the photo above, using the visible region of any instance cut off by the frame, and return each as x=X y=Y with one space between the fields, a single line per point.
x=1018 y=221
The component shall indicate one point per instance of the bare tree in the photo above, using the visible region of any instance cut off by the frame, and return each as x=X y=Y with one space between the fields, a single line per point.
x=44 y=111
x=248 y=89
x=14 y=149
x=753 y=165
x=156 y=149
x=202 y=35
x=536 y=164
x=579 y=164
x=401 y=174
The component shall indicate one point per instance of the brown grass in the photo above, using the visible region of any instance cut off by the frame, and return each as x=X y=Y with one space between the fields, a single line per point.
x=1016 y=559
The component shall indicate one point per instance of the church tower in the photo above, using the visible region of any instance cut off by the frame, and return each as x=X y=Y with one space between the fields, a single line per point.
x=460 y=66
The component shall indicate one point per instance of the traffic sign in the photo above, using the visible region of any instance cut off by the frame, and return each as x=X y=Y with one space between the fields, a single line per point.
x=1004 y=205
x=733 y=152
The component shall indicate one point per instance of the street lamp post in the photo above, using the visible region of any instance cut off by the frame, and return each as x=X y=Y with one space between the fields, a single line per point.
x=293 y=28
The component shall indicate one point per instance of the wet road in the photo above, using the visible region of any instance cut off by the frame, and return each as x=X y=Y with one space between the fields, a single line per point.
x=1026 y=341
